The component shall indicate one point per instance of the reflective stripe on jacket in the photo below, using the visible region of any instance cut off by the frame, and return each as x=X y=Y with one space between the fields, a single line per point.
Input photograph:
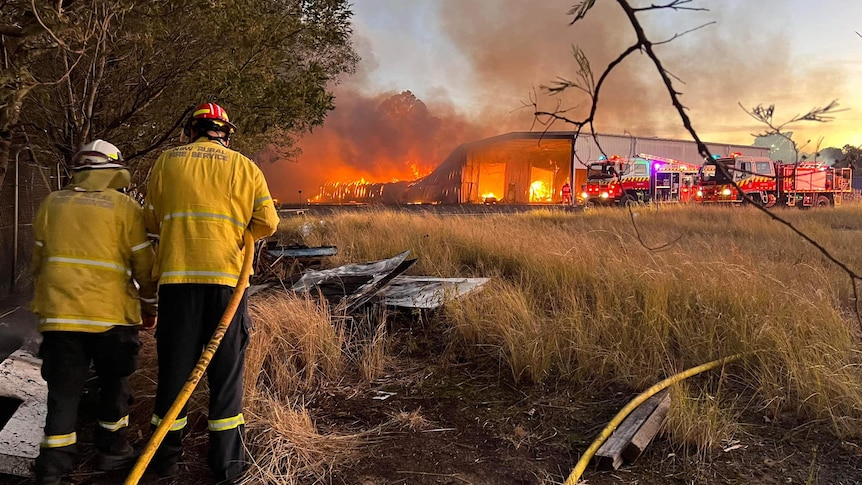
x=91 y=255
x=200 y=199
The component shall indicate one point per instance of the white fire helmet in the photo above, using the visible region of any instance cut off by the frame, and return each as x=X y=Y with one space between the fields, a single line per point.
x=98 y=154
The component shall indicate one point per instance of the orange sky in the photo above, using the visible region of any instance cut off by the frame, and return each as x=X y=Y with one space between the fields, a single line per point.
x=487 y=55
x=473 y=64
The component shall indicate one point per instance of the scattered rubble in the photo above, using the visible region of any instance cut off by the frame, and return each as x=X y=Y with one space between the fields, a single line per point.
x=23 y=392
x=351 y=286
x=23 y=400
x=347 y=288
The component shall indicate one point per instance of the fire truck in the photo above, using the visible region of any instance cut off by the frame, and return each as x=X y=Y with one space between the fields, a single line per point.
x=641 y=179
x=770 y=183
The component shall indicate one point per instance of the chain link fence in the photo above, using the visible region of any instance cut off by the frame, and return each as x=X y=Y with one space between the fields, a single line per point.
x=20 y=195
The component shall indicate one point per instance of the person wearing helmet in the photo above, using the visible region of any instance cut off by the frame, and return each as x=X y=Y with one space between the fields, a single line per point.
x=566 y=194
x=93 y=286
x=200 y=200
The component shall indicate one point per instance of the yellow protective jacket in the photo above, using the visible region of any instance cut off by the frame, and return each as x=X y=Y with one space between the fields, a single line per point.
x=91 y=254
x=200 y=199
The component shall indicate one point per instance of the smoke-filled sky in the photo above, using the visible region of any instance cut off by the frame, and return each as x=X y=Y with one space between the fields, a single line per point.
x=470 y=66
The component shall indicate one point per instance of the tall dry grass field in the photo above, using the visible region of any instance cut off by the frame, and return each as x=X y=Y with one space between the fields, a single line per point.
x=604 y=297
x=298 y=348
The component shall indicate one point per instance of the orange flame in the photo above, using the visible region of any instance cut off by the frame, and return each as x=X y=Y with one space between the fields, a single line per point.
x=541 y=192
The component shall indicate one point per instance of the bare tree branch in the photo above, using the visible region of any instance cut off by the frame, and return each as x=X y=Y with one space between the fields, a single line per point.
x=680 y=34
x=761 y=113
x=164 y=137
x=674 y=5
x=48 y=29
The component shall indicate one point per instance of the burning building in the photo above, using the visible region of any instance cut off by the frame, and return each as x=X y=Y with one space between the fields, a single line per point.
x=531 y=167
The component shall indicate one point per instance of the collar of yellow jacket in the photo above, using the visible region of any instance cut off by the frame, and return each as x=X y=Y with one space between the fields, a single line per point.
x=204 y=140
x=99 y=179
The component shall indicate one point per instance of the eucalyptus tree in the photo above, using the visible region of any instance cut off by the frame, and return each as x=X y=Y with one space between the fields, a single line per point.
x=135 y=69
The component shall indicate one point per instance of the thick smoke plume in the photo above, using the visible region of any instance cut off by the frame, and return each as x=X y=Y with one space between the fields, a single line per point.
x=745 y=56
x=511 y=47
x=376 y=139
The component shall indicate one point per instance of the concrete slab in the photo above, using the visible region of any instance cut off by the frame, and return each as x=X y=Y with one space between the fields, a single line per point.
x=21 y=380
x=17 y=325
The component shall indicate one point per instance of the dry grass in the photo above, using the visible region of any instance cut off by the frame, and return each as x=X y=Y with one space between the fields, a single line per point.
x=578 y=295
x=700 y=419
x=411 y=420
x=372 y=352
x=293 y=348
x=288 y=449
x=297 y=346
x=578 y=298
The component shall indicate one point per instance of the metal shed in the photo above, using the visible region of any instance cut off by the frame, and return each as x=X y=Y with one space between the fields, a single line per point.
x=531 y=167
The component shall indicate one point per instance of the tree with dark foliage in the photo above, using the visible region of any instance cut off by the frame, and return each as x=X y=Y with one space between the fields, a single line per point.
x=125 y=70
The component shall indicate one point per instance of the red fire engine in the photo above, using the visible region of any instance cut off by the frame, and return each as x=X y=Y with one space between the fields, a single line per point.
x=771 y=183
x=640 y=179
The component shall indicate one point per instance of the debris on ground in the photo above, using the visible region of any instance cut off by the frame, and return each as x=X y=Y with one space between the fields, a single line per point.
x=23 y=406
x=349 y=287
x=633 y=435
x=276 y=263
x=346 y=288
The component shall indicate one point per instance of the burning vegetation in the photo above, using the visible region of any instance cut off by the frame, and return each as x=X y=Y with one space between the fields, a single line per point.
x=370 y=149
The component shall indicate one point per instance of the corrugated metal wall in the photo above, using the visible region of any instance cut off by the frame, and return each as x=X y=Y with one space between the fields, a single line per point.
x=510 y=163
x=586 y=148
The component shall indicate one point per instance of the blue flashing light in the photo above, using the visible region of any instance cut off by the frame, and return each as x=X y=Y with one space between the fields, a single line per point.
x=715 y=156
x=602 y=158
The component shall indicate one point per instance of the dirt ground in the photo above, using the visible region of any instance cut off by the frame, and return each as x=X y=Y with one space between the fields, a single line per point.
x=461 y=423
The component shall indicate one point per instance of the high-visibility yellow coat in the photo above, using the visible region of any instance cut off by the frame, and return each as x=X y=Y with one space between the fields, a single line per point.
x=200 y=199
x=92 y=261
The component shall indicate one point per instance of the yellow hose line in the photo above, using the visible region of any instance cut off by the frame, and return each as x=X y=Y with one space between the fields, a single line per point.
x=609 y=429
x=198 y=372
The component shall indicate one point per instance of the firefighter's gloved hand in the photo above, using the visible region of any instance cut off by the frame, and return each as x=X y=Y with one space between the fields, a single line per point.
x=149 y=322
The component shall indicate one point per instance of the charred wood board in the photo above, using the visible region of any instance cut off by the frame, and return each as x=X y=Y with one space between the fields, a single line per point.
x=610 y=454
x=370 y=289
x=347 y=285
x=647 y=431
x=298 y=252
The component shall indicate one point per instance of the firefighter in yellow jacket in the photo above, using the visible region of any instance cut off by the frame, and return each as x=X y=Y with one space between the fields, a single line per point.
x=92 y=266
x=201 y=198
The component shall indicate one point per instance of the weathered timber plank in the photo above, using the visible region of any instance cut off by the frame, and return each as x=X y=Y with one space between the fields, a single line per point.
x=609 y=455
x=647 y=431
x=370 y=289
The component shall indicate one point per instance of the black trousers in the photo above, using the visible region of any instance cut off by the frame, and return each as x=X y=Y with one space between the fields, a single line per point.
x=188 y=317
x=66 y=359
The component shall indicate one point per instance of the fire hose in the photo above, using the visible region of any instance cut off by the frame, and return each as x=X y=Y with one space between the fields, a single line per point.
x=634 y=403
x=197 y=373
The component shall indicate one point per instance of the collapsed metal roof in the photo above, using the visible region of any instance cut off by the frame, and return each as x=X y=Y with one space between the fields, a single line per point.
x=350 y=286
